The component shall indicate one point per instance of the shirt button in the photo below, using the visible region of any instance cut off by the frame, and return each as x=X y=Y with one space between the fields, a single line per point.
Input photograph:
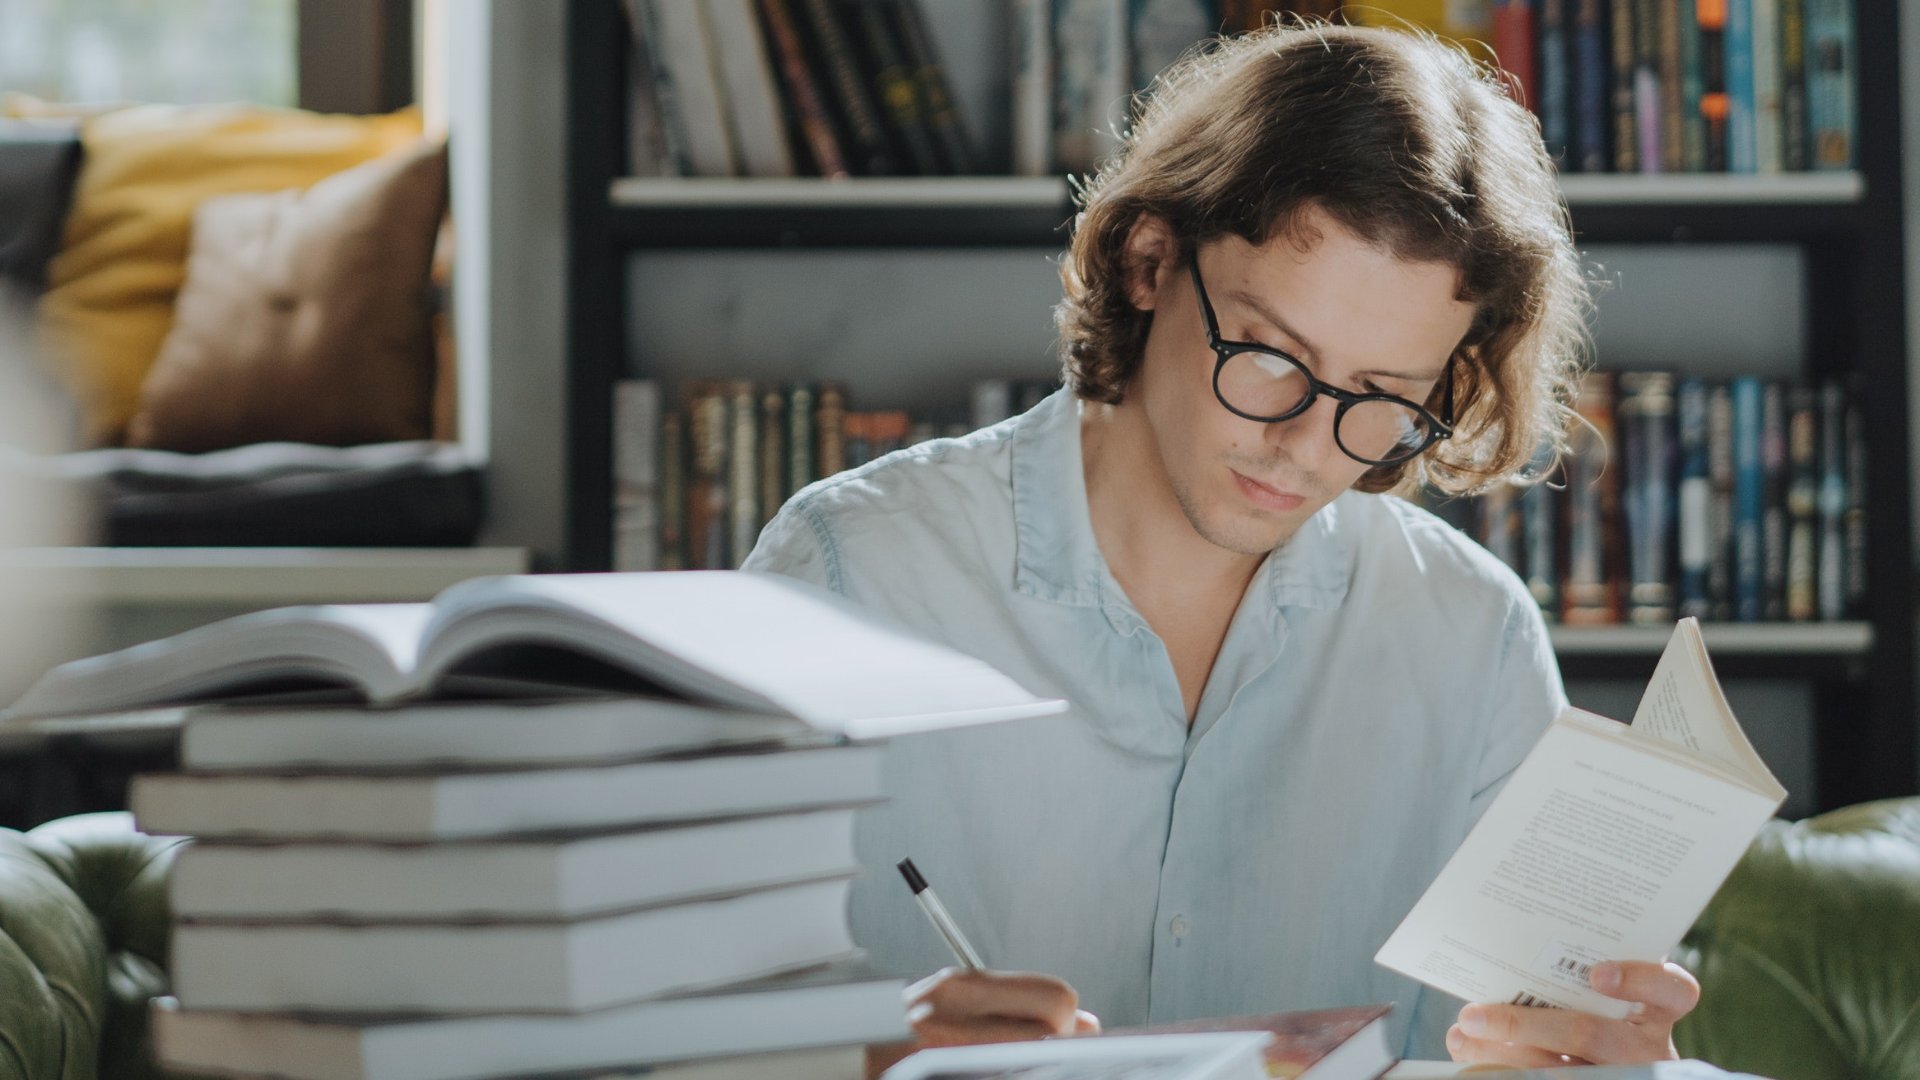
x=1179 y=926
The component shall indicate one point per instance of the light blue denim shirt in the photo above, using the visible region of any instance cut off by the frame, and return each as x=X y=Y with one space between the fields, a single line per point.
x=1381 y=678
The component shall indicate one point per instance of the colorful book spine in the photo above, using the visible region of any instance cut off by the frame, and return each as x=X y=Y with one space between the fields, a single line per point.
x=743 y=482
x=1695 y=502
x=1033 y=82
x=1590 y=594
x=1555 y=65
x=1514 y=45
x=829 y=428
x=1539 y=519
x=636 y=474
x=1648 y=95
x=1830 y=90
x=1693 y=122
x=772 y=472
x=1498 y=525
x=1646 y=418
x=672 y=552
x=1673 y=108
x=1161 y=30
x=1749 y=502
x=893 y=84
x=1710 y=16
x=1625 y=111
x=1831 y=575
x=805 y=97
x=1591 y=152
x=800 y=438
x=1742 y=150
x=1796 y=151
x=707 y=476
x=1803 y=497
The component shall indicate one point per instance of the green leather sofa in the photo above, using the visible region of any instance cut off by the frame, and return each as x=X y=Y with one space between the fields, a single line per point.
x=1810 y=955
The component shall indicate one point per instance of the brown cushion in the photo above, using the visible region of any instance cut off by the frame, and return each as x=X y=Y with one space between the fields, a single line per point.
x=304 y=317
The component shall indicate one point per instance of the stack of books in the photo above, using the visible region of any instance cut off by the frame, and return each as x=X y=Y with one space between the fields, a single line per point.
x=542 y=824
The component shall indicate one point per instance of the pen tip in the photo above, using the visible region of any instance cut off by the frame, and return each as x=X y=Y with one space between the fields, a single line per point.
x=912 y=873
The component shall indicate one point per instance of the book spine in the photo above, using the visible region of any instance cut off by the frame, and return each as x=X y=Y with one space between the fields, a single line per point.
x=1803 y=495
x=1539 y=516
x=1773 y=521
x=1695 y=502
x=1720 y=513
x=1591 y=152
x=992 y=401
x=1832 y=576
x=1626 y=135
x=636 y=474
x=1749 y=503
x=1161 y=31
x=869 y=151
x=936 y=95
x=804 y=96
x=1032 y=87
x=857 y=439
x=686 y=54
x=1715 y=106
x=800 y=438
x=1830 y=90
x=893 y=84
x=673 y=492
x=752 y=91
x=1673 y=109
x=707 y=499
x=1647 y=91
x=1556 y=80
x=829 y=423
x=1514 y=46
x=1693 y=123
x=1737 y=55
x=773 y=456
x=1855 y=523
x=1795 y=152
x=655 y=144
x=1496 y=525
x=1591 y=592
x=1765 y=29
x=743 y=483
x=1646 y=415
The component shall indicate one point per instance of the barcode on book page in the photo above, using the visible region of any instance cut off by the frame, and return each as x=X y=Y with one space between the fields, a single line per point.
x=1567 y=964
x=1524 y=998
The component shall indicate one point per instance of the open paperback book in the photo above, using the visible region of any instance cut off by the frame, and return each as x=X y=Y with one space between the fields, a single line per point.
x=1605 y=844
x=750 y=642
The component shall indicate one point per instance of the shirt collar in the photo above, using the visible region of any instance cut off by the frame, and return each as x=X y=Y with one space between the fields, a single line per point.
x=1057 y=558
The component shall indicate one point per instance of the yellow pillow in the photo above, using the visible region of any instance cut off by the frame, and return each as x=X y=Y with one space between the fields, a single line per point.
x=109 y=301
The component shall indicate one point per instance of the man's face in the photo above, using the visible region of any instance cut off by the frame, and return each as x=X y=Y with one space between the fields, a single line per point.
x=1358 y=317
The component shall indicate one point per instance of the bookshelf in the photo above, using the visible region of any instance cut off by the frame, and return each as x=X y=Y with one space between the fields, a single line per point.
x=1847 y=227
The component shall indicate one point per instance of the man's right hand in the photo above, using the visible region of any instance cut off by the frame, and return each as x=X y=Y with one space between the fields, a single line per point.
x=956 y=1007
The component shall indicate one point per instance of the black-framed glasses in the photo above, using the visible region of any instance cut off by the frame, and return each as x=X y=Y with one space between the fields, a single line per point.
x=1264 y=384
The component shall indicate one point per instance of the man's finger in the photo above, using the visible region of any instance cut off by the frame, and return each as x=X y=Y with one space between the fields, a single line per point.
x=1464 y=1047
x=1012 y=995
x=1668 y=991
x=1557 y=1031
x=938 y=1031
x=1085 y=1023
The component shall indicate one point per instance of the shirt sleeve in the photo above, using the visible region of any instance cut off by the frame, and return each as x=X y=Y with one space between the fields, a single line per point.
x=796 y=544
x=1527 y=695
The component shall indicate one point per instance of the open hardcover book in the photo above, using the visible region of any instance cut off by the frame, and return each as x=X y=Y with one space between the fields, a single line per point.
x=1605 y=844
x=755 y=643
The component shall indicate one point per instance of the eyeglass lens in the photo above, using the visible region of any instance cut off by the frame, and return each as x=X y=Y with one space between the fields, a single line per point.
x=1375 y=430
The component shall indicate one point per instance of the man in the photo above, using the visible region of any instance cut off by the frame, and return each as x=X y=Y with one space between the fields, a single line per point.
x=1330 y=262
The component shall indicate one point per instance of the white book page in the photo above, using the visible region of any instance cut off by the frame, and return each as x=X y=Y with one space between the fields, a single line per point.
x=1685 y=705
x=751 y=641
x=1595 y=850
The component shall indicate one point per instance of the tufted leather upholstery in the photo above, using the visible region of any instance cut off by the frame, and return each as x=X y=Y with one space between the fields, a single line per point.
x=83 y=946
x=1809 y=956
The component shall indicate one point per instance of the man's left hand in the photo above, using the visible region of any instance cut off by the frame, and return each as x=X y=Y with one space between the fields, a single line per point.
x=1533 y=1038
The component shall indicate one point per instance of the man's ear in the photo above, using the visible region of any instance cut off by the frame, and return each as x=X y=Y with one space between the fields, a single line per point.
x=1151 y=255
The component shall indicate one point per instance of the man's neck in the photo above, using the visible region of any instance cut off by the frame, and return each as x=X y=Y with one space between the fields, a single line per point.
x=1142 y=531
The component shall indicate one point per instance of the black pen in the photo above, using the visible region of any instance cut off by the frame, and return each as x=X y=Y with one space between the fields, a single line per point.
x=937 y=913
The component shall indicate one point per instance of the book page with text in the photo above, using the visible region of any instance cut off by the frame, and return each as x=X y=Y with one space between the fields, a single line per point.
x=1685 y=705
x=1595 y=850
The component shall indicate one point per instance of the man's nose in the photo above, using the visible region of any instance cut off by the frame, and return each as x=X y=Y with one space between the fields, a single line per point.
x=1307 y=439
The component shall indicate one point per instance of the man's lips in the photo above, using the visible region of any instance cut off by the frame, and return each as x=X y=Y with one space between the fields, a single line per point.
x=1265 y=496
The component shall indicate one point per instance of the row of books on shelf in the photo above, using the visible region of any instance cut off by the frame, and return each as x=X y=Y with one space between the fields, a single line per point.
x=778 y=88
x=1663 y=86
x=1742 y=500
x=695 y=479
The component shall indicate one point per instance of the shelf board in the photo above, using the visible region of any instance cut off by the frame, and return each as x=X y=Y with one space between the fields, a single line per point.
x=257 y=576
x=1786 y=650
x=1020 y=211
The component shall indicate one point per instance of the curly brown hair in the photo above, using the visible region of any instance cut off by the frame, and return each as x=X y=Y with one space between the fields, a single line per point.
x=1405 y=141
